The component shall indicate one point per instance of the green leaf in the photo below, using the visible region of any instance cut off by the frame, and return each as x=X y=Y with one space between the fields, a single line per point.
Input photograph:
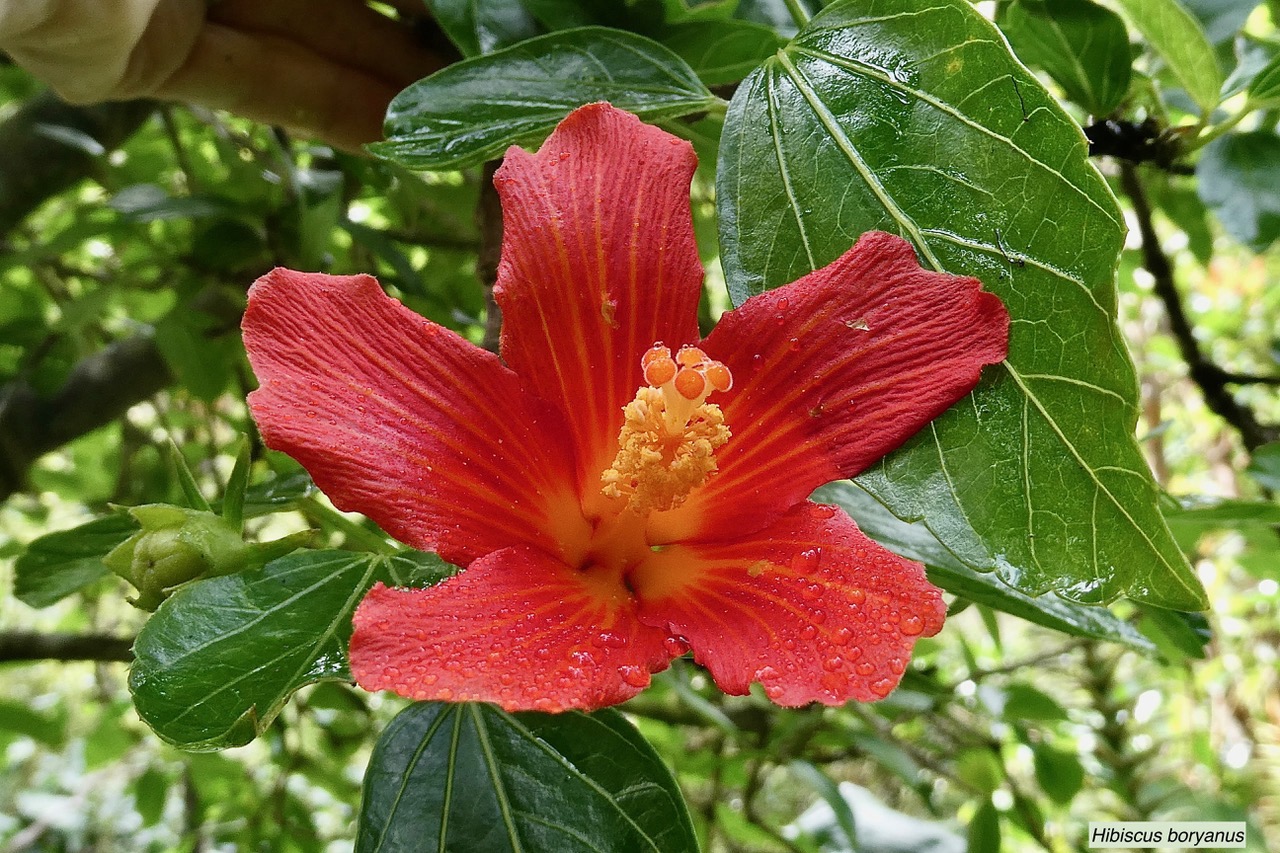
x=1059 y=772
x=1081 y=45
x=219 y=658
x=149 y=203
x=1190 y=523
x=482 y=26
x=1024 y=702
x=915 y=542
x=984 y=829
x=723 y=52
x=48 y=726
x=472 y=778
x=980 y=769
x=473 y=110
x=1264 y=88
x=826 y=787
x=1180 y=637
x=925 y=124
x=237 y=487
x=59 y=564
x=1264 y=466
x=150 y=790
x=190 y=488
x=1177 y=36
x=1239 y=178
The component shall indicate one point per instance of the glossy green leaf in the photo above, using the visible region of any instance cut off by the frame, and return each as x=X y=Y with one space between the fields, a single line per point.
x=1177 y=36
x=473 y=110
x=58 y=564
x=472 y=778
x=913 y=117
x=723 y=52
x=482 y=26
x=219 y=658
x=914 y=541
x=1240 y=180
x=1081 y=45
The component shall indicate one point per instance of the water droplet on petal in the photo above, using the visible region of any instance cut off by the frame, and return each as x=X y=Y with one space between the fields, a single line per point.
x=898 y=665
x=857 y=596
x=676 y=646
x=808 y=632
x=842 y=637
x=811 y=592
x=882 y=688
x=807 y=561
x=609 y=640
x=636 y=676
x=911 y=625
x=784 y=303
x=833 y=663
x=823 y=511
x=865 y=668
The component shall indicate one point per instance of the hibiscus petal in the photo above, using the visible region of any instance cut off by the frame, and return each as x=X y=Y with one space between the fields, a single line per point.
x=810 y=607
x=517 y=628
x=403 y=420
x=834 y=371
x=598 y=263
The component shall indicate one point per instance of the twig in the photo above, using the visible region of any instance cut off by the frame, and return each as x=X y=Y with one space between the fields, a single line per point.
x=31 y=646
x=1211 y=379
x=489 y=220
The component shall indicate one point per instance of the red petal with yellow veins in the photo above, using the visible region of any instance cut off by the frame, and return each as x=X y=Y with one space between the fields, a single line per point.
x=516 y=628
x=810 y=607
x=834 y=371
x=404 y=421
x=598 y=263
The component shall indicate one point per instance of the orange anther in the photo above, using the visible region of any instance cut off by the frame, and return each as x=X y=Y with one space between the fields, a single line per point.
x=659 y=371
x=690 y=356
x=655 y=352
x=690 y=383
x=719 y=376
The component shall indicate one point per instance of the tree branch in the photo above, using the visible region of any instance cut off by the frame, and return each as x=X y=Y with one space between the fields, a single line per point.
x=36 y=165
x=30 y=646
x=1211 y=379
x=100 y=389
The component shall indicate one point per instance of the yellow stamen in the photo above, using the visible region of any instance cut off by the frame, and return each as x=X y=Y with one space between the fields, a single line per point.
x=670 y=434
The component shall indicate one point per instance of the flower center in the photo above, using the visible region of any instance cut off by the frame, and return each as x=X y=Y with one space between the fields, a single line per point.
x=670 y=434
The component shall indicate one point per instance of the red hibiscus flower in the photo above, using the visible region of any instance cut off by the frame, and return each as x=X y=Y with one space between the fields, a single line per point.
x=617 y=491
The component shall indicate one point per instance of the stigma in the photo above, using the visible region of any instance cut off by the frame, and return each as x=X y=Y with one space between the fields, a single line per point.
x=669 y=435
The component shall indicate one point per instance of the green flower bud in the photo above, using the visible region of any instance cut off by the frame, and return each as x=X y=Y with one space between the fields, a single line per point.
x=176 y=545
